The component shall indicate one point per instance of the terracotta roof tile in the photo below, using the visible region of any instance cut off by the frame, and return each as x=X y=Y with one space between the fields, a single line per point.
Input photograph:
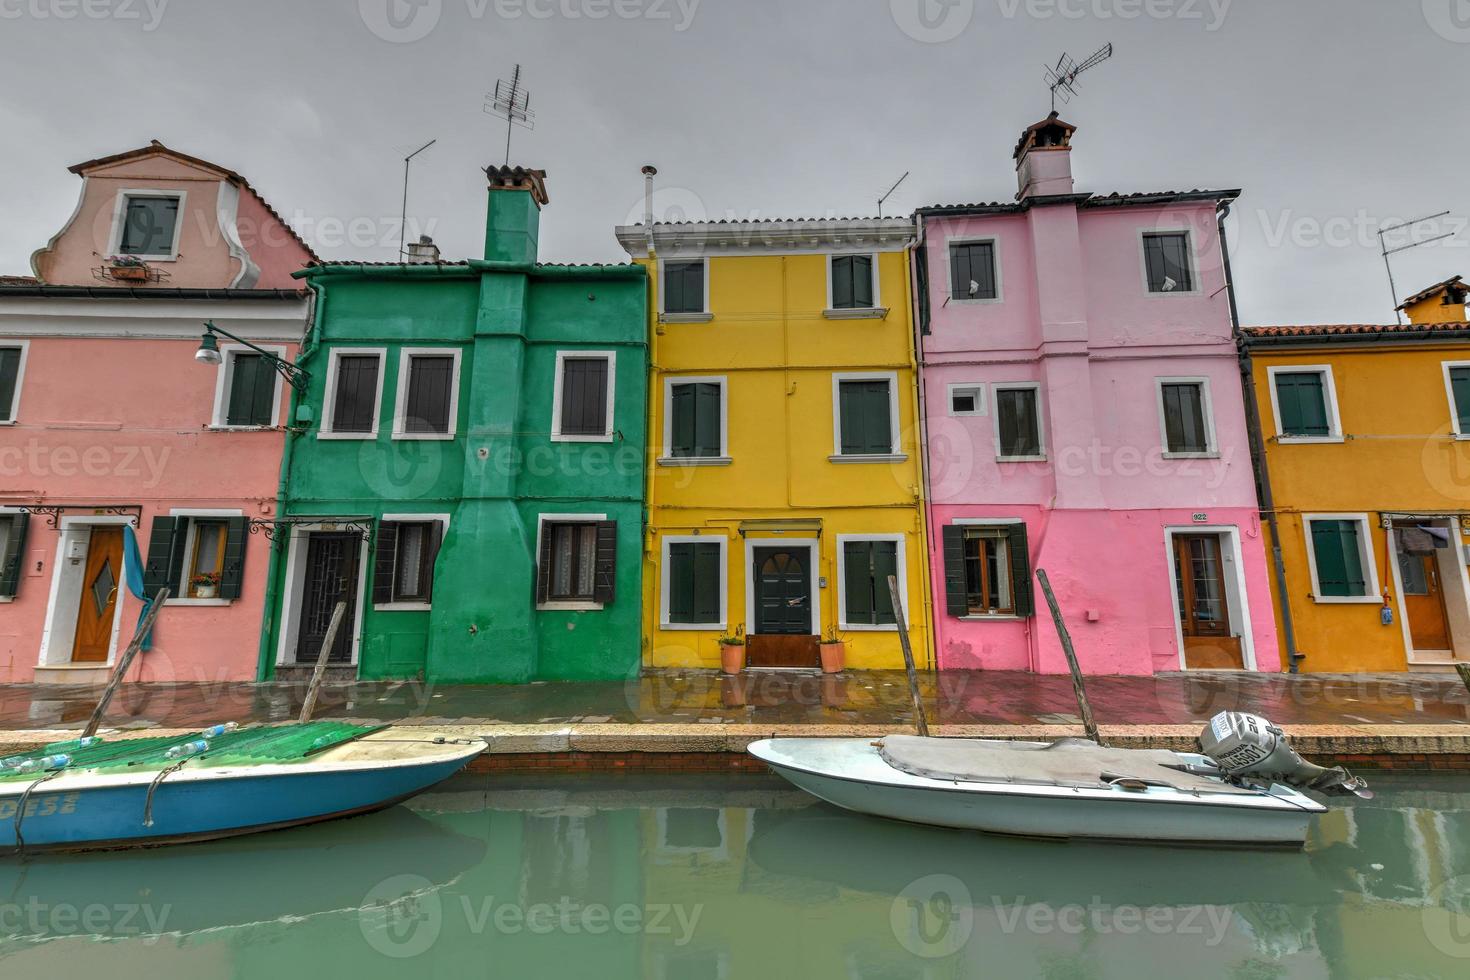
x=1424 y=294
x=1350 y=330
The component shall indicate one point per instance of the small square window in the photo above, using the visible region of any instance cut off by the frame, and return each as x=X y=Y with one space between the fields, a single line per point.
x=404 y=561
x=684 y=287
x=1341 y=561
x=693 y=583
x=967 y=399
x=865 y=417
x=578 y=561
x=972 y=273
x=1303 y=408
x=1167 y=262
x=148 y=225
x=354 y=395
x=852 y=282
x=1018 y=422
x=206 y=559
x=583 y=397
x=1186 y=413
x=427 y=394
x=696 y=423
x=250 y=390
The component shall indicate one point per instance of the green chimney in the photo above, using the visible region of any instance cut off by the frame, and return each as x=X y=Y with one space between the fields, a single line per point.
x=513 y=214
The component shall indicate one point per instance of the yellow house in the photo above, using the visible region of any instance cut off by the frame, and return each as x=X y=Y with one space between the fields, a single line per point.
x=1366 y=433
x=786 y=486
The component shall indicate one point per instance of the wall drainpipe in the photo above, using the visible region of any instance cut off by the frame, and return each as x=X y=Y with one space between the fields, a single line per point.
x=1258 y=455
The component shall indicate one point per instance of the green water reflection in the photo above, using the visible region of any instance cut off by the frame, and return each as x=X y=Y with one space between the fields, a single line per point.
x=681 y=878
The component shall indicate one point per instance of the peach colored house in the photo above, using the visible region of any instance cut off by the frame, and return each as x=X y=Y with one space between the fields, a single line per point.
x=107 y=419
x=1085 y=416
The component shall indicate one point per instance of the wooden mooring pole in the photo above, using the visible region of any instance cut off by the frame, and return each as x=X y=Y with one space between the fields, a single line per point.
x=1088 y=725
x=920 y=721
x=124 y=662
x=314 y=688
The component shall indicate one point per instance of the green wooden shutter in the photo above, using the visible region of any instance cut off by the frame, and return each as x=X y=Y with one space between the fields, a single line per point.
x=681 y=583
x=1302 y=402
x=385 y=560
x=885 y=563
x=857 y=581
x=681 y=424
x=706 y=420
x=1021 y=589
x=1459 y=384
x=866 y=418
x=1338 y=554
x=159 y=570
x=842 y=298
x=862 y=281
x=956 y=600
x=252 y=390
x=232 y=576
x=14 y=557
x=707 y=583
x=604 y=586
x=543 y=563
x=433 y=541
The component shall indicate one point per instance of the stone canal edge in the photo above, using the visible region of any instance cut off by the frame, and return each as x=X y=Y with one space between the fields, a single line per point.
x=717 y=747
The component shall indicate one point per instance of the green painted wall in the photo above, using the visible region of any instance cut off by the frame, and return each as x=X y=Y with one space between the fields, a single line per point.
x=501 y=472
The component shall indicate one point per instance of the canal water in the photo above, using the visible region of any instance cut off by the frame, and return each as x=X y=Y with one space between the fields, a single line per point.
x=729 y=877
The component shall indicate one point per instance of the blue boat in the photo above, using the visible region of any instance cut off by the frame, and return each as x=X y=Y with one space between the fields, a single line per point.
x=150 y=792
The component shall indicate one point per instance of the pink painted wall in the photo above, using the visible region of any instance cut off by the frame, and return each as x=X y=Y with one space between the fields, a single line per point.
x=1075 y=316
x=127 y=421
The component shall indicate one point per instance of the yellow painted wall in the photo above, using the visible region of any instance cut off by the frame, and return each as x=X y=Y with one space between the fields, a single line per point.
x=1435 y=310
x=768 y=337
x=1400 y=455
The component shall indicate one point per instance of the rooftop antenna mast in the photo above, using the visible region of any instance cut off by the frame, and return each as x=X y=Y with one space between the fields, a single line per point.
x=512 y=101
x=1383 y=247
x=890 y=191
x=1061 y=78
x=403 y=222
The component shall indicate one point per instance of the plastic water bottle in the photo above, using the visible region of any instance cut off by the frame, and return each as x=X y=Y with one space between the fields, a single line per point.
x=43 y=764
x=187 y=749
x=219 y=730
x=56 y=749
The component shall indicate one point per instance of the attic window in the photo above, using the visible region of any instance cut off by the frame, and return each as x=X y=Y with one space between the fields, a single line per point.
x=149 y=226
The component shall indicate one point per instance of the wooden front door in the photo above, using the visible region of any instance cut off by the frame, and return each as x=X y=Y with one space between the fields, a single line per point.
x=97 y=609
x=1204 y=604
x=784 y=635
x=331 y=577
x=1429 y=626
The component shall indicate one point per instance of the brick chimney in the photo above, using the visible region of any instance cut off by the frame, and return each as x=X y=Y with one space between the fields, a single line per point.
x=1044 y=159
x=513 y=214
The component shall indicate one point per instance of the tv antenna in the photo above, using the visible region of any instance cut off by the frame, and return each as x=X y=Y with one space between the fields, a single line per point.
x=1061 y=78
x=512 y=101
x=890 y=191
x=403 y=221
x=1383 y=246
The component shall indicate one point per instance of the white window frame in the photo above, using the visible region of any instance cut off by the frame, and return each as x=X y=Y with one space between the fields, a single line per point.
x=895 y=454
x=225 y=380
x=995 y=390
x=443 y=522
x=1329 y=391
x=20 y=376
x=558 y=604
x=1189 y=236
x=903 y=580
x=989 y=523
x=562 y=356
x=1365 y=553
x=1449 y=390
x=119 y=214
x=976 y=388
x=875 y=312
x=704 y=316
x=329 y=402
x=663 y=582
x=1207 y=407
x=193 y=516
x=400 y=400
x=668 y=458
x=949 y=244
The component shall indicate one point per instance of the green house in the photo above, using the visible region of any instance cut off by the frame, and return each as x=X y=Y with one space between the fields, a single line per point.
x=466 y=471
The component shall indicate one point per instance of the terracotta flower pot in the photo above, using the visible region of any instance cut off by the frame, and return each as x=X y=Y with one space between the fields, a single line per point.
x=130 y=273
x=834 y=657
x=732 y=658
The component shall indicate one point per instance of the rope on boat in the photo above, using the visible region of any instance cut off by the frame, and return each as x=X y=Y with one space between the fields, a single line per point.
x=20 y=809
x=153 y=786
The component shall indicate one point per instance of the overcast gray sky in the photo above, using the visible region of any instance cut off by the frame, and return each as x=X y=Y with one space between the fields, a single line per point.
x=1335 y=116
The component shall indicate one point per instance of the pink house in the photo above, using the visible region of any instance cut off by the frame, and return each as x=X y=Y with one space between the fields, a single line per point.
x=1085 y=417
x=107 y=418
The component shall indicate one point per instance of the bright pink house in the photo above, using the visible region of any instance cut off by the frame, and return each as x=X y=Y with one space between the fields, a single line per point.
x=107 y=419
x=1085 y=417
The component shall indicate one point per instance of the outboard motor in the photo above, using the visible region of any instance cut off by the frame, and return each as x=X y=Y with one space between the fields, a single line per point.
x=1248 y=747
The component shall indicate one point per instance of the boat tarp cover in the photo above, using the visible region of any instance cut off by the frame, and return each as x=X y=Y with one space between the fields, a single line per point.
x=1066 y=762
x=273 y=745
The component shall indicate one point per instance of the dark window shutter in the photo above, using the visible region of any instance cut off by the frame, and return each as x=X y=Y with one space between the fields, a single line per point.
x=252 y=390
x=1339 y=560
x=684 y=287
x=159 y=569
x=355 y=406
x=706 y=583
x=148 y=225
x=432 y=544
x=682 y=424
x=232 y=575
x=956 y=602
x=842 y=298
x=858 y=581
x=14 y=557
x=1302 y=401
x=921 y=289
x=681 y=583
x=584 y=396
x=885 y=564
x=604 y=588
x=1459 y=384
x=862 y=281
x=543 y=563
x=385 y=558
x=706 y=420
x=1021 y=590
x=9 y=375
x=866 y=418
x=430 y=380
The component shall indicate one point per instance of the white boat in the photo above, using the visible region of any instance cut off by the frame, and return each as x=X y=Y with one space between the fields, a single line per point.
x=1071 y=788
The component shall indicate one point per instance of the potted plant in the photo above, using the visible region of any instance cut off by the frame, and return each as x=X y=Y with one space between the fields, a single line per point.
x=205 y=585
x=128 y=268
x=834 y=653
x=732 y=654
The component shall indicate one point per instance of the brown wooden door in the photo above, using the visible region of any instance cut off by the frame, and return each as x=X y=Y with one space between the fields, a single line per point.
x=1429 y=626
x=1204 y=604
x=97 y=609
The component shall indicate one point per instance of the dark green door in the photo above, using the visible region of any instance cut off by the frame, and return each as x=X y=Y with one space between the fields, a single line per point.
x=783 y=591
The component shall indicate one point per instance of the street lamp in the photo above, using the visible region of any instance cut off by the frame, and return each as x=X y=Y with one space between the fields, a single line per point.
x=208 y=353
